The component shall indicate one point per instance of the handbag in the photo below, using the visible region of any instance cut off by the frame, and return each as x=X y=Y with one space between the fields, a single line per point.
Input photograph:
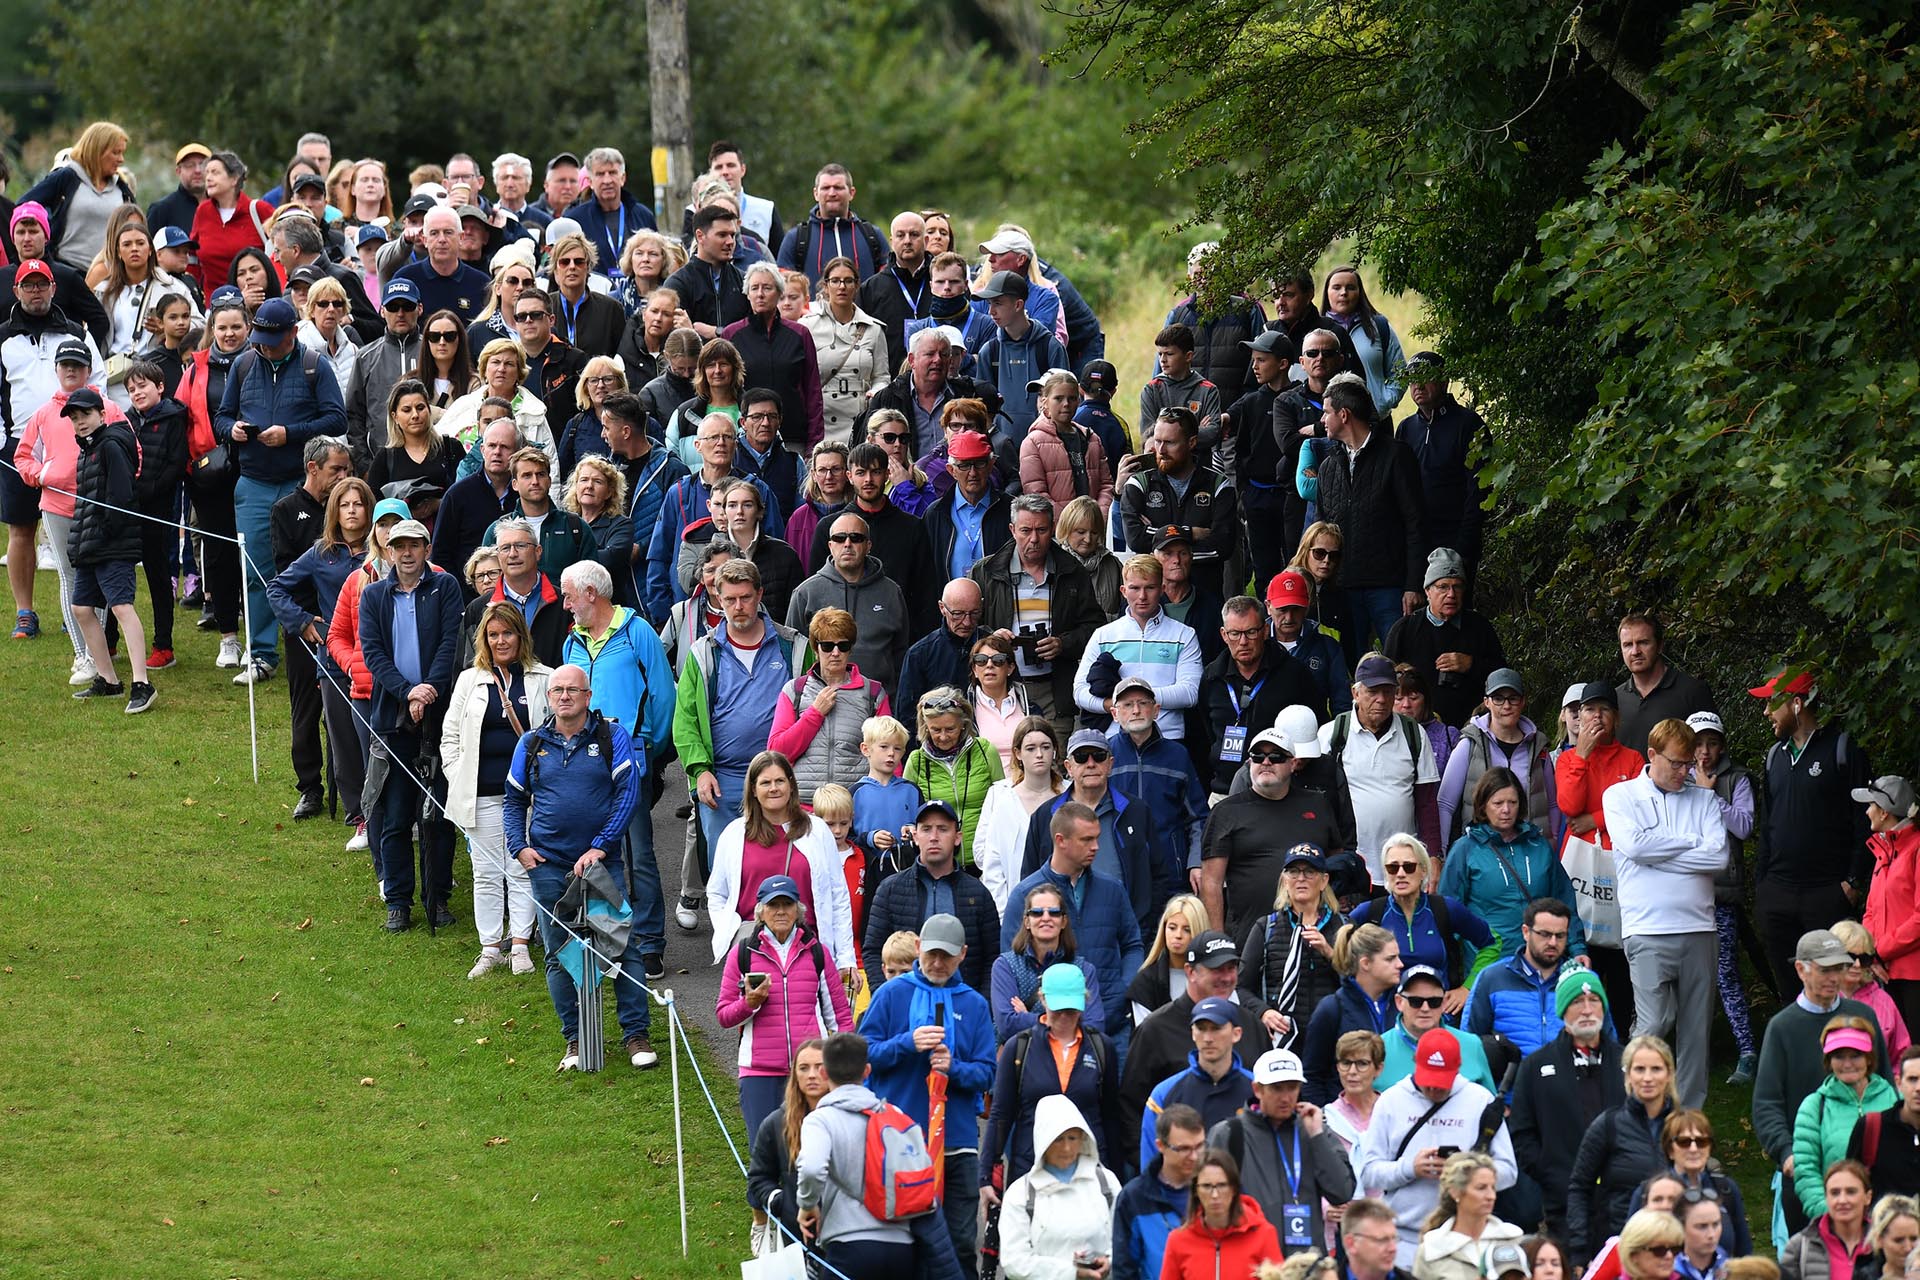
x=1595 y=890
x=213 y=468
x=119 y=363
x=786 y=1263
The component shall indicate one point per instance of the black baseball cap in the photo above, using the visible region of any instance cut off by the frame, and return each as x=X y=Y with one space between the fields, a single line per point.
x=306 y=180
x=73 y=351
x=1100 y=375
x=1212 y=949
x=84 y=398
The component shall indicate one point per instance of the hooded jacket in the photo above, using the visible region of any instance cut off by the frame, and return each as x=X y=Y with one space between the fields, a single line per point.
x=1219 y=342
x=805 y=1000
x=780 y=358
x=1158 y=776
x=1020 y=1087
x=900 y=1070
x=48 y=455
x=1010 y=363
x=1146 y=1214
x=1446 y=1254
x=380 y=363
x=830 y=1168
x=1198 y=1252
x=628 y=672
x=1893 y=900
x=1455 y=1124
x=1044 y=1221
x=1476 y=753
x=1375 y=499
x=162 y=435
x=1323 y=1171
x=879 y=609
x=1823 y=1129
x=1515 y=1000
x=1620 y=1150
x=818 y=240
x=108 y=466
x=1475 y=875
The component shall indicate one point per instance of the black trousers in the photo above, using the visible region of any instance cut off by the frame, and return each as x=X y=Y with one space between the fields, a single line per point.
x=303 y=694
x=1785 y=911
x=213 y=509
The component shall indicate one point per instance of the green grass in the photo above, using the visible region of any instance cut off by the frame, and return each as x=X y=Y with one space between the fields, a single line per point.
x=217 y=1064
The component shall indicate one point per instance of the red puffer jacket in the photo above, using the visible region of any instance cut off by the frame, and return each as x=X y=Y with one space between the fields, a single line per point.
x=1893 y=903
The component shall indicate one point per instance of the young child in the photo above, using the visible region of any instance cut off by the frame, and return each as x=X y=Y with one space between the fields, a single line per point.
x=104 y=544
x=952 y=762
x=173 y=253
x=833 y=805
x=898 y=954
x=159 y=425
x=883 y=803
x=1096 y=411
x=173 y=345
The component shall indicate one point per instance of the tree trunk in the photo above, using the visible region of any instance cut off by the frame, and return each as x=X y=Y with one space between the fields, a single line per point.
x=671 y=94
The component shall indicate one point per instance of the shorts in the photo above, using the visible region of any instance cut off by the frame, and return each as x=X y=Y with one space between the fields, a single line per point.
x=103 y=586
x=19 y=501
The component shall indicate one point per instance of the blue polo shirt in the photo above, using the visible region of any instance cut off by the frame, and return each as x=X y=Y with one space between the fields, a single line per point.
x=968 y=546
x=406 y=633
x=464 y=292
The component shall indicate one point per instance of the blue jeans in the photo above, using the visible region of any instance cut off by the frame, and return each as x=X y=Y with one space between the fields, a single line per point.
x=733 y=787
x=961 y=1207
x=1378 y=607
x=760 y=1097
x=253 y=512
x=643 y=884
x=549 y=881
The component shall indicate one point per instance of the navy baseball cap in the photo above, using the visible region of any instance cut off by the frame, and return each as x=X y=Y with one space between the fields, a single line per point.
x=172 y=238
x=777 y=887
x=370 y=233
x=937 y=806
x=1216 y=1009
x=273 y=321
x=399 y=290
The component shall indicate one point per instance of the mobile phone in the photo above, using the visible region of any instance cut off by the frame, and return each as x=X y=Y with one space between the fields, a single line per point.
x=940 y=1016
x=755 y=981
x=1447 y=1153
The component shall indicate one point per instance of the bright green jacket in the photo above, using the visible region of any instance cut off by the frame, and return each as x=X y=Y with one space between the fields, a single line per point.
x=963 y=784
x=1824 y=1127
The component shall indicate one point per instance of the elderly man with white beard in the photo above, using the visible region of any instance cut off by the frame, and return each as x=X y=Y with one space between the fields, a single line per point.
x=1153 y=771
x=1563 y=1086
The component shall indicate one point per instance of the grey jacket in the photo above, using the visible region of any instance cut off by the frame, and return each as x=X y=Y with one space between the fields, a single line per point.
x=879 y=610
x=1324 y=1172
x=379 y=364
x=834 y=754
x=830 y=1168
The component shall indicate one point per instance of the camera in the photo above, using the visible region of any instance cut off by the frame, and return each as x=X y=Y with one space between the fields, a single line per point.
x=1027 y=640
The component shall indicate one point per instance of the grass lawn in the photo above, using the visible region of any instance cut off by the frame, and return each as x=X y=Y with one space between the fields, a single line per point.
x=218 y=1065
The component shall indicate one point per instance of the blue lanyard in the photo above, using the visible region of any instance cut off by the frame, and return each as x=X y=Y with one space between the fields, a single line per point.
x=1377 y=1010
x=1290 y=1172
x=572 y=316
x=614 y=242
x=913 y=300
x=1234 y=698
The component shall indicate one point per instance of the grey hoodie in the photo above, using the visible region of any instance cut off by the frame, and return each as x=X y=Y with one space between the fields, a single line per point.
x=831 y=1168
x=879 y=608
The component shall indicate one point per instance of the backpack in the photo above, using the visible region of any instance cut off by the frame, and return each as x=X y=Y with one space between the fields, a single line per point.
x=898 y=1175
x=309 y=365
x=1342 y=723
x=1100 y=1176
x=876 y=243
x=743 y=953
x=602 y=738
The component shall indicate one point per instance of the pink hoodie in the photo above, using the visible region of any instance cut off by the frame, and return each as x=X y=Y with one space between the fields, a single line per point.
x=48 y=455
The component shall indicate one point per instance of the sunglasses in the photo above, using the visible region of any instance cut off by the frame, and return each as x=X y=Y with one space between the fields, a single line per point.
x=1320 y=353
x=1425 y=1002
x=1034 y=913
x=569 y=262
x=890 y=437
x=848 y=537
x=331 y=303
x=1268 y=757
x=1323 y=553
x=1659 y=1250
x=1695 y=1195
x=524 y=316
x=992 y=660
x=1091 y=755
x=442 y=335
x=1693 y=1140
x=1401 y=868
x=834 y=646
x=1866 y=958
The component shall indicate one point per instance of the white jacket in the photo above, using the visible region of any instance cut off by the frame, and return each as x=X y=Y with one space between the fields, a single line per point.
x=1067 y=1216
x=832 y=910
x=853 y=364
x=460 y=734
x=1455 y=1124
x=462 y=420
x=1000 y=842
x=1445 y=1254
x=1164 y=653
x=1669 y=846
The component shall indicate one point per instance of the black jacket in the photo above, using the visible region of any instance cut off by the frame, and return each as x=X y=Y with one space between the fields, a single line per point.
x=596 y=328
x=1075 y=611
x=1454 y=696
x=772 y=1184
x=937 y=658
x=467 y=511
x=1160 y=1047
x=1217 y=352
x=1619 y=1151
x=71 y=298
x=1283 y=680
x=898 y=395
x=556 y=378
x=1263 y=959
x=642 y=365
x=663 y=395
x=893 y=297
x=779 y=357
x=996 y=527
x=704 y=302
x=295 y=524
x=162 y=434
x=1553 y=1106
x=900 y=544
x=901 y=903
x=1375 y=499
x=1019 y=1087
x=551 y=622
x=109 y=463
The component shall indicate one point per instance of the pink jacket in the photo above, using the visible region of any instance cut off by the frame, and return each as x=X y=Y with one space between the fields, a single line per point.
x=48 y=455
x=1044 y=468
x=1893 y=902
x=806 y=1000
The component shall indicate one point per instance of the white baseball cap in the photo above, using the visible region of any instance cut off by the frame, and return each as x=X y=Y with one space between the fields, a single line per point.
x=1279 y=1066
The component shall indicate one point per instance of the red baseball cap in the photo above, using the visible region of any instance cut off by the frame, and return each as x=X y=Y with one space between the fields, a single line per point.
x=33 y=267
x=969 y=446
x=1778 y=683
x=1288 y=589
x=1436 y=1060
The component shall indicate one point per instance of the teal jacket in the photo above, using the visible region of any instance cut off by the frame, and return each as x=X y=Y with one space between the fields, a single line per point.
x=1399 y=1064
x=631 y=680
x=1823 y=1128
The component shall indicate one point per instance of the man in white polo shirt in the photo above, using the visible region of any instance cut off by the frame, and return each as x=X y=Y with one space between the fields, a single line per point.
x=1670 y=842
x=1389 y=765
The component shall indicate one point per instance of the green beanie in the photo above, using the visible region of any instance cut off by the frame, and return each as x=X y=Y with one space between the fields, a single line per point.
x=1575 y=981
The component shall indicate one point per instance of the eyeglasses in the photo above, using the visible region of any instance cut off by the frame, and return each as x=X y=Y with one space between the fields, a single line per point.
x=890 y=437
x=479 y=574
x=437 y=336
x=1357 y=1064
x=1325 y=553
x=1034 y=913
x=1401 y=868
x=834 y=646
x=1218 y=1189
x=1186 y=1149
x=512 y=548
x=1242 y=633
x=761 y=417
x=1425 y=1002
x=1091 y=755
x=598 y=379
x=1681 y=763
x=957 y=614
x=992 y=660
x=1300 y=871
x=1693 y=1140
x=970 y=464
x=566 y=690
x=1548 y=935
x=845 y=280
x=848 y=537
x=329 y=303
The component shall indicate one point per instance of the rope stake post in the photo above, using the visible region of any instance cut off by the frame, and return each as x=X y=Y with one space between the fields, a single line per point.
x=246 y=652
x=679 y=1143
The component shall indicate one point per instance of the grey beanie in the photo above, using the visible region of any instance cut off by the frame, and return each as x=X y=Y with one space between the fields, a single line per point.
x=1444 y=562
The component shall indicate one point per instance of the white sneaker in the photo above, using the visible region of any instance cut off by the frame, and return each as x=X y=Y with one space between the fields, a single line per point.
x=45 y=560
x=757 y=1239
x=570 y=1060
x=83 y=672
x=229 y=652
x=522 y=962
x=358 y=840
x=490 y=959
x=254 y=672
x=686 y=915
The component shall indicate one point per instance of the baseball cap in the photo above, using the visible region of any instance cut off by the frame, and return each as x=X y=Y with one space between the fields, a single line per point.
x=1436 y=1060
x=1004 y=284
x=84 y=398
x=1571 y=698
x=1302 y=728
x=193 y=149
x=1780 y=682
x=390 y=507
x=565 y=157
x=1891 y=792
x=1275 y=737
x=969 y=446
x=1134 y=682
x=1216 y=1009
x=275 y=318
x=308 y=275
x=1288 y=590
x=1008 y=242
x=437 y=190
x=1087 y=738
x=472 y=211
x=1707 y=722
x=943 y=932
x=1171 y=536
x=1505 y=1259
x=1426 y=971
x=1599 y=691
x=1040 y=383
x=33 y=267
x=1272 y=342
x=399 y=290
x=1376 y=672
x=370 y=233
x=777 y=887
x=306 y=180
x=409 y=529
x=1426 y=366
x=1063 y=986
x=172 y=238
x=562 y=227
x=1210 y=949
x=73 y=351
x=1821 y=947
x=956 y=340
x=1505 y=679
x=1279 y=1066
x=419 y=202
x=1306 y=852
x=937 y=806
x=225 y=295
x=1100 y=375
